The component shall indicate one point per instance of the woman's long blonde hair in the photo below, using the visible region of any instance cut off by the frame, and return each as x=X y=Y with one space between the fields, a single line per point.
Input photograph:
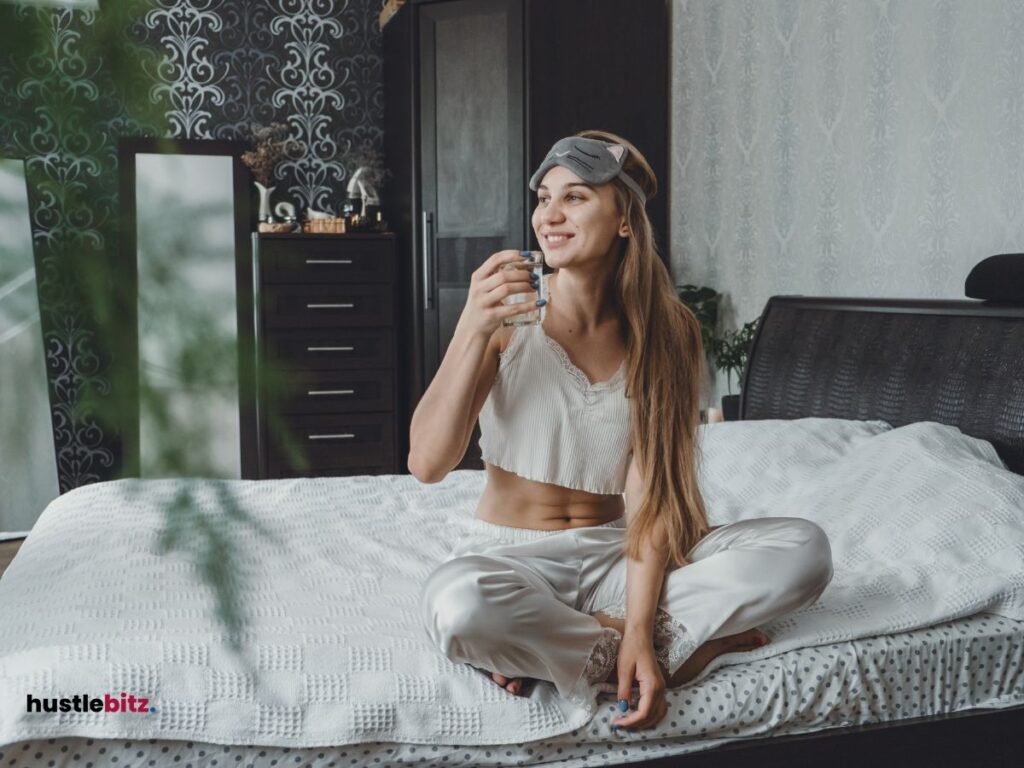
x=664 y=371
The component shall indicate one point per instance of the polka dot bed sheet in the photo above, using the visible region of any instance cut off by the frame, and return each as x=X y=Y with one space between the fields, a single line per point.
x=975 y=662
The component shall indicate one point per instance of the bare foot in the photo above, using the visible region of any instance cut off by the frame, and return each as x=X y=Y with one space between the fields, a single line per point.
x=607 y=621
x=515 y=685
x=743 y=641
x=512 y=685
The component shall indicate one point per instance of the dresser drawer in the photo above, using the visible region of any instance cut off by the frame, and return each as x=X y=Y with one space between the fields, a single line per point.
x=335 y=348
x=318 y=306
x=347 y=391
x=326 y=260
x=335 y=442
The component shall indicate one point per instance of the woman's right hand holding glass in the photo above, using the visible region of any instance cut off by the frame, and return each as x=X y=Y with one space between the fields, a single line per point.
x=498 y=277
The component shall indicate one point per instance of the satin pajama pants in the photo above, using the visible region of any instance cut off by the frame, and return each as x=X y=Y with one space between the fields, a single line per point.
x=518 y=600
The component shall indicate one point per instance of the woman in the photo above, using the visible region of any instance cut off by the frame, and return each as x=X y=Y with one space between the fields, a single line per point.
x=560 y=578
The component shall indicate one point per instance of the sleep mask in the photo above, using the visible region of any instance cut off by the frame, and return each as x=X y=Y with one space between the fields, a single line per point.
x=593 y=160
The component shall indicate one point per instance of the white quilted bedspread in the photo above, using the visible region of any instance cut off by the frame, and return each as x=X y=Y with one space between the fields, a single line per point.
x=925 y=526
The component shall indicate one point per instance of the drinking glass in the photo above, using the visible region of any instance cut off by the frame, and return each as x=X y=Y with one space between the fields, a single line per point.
x=535 y=263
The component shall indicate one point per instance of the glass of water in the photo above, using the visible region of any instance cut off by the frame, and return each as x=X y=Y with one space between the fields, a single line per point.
x=534 y=263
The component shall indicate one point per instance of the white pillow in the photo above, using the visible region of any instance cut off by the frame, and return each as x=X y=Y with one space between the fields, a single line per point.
x=746 y=466
x=924 y=493
x=925 y=524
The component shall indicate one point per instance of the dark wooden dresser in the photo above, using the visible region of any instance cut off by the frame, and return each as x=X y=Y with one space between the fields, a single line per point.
x=326 y=373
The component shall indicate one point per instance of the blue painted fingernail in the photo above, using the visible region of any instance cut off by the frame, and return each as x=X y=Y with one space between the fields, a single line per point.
x=525 y=254
x=623 y=705
x=541 y=302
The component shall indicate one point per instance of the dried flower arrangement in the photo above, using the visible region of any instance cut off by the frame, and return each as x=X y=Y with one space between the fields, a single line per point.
x=271 y=145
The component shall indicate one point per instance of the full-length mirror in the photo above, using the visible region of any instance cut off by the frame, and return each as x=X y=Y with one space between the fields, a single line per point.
x=28 y=464
x=187 y=213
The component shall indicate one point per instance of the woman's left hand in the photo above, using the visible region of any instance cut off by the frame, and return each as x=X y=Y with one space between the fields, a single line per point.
x=637 y=662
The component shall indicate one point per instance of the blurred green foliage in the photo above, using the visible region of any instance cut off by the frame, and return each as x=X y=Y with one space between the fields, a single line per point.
x=71 y=84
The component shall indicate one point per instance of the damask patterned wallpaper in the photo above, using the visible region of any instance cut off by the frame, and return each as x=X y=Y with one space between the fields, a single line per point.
x=844 y=147
x=312 y=64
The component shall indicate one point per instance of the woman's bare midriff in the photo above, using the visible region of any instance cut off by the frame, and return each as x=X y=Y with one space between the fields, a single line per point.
x=509 y=499
x=513 y=500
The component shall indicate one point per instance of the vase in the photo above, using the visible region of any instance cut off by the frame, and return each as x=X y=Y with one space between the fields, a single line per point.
x=265 y=216
x=731 y=407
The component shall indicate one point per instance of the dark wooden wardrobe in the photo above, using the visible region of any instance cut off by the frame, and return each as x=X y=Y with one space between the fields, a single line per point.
x=475 y=93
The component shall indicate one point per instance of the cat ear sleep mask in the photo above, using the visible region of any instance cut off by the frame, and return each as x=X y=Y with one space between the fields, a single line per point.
x=593 y=160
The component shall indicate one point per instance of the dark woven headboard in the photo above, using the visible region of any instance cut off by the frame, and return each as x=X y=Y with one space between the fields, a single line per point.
x=899 y=360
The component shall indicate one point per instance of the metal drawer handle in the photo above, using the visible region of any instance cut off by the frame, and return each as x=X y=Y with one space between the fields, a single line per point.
x=328 y=261
x=329 y=349
x=342 y=436
x=330 y=392
x=329 y=306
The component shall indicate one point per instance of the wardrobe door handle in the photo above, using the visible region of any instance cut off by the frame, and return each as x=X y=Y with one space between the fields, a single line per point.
x=312 y=392
x=328 y=261
x=342 y=436
x=329 y=349
x=329 y=306
x=427 y=250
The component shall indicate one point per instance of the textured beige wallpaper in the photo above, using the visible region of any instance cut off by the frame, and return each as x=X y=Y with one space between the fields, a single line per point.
x=857 y=148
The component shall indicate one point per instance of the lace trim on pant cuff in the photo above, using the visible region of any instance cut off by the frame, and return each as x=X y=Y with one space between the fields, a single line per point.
x=599 y=665
x=673 y=645
x=603 y=656
x=613 y=612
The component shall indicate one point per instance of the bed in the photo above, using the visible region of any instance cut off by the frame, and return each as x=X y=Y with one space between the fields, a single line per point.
x=334 y=629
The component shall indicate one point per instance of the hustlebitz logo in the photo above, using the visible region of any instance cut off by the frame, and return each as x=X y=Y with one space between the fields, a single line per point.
x=128 y=703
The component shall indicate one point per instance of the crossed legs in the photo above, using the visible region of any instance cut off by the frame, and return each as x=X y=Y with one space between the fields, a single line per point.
x=742 y=641
x=501 y=614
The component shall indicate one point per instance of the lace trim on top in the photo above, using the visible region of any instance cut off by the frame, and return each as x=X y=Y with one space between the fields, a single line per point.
x=573 y=370
x=580 y=377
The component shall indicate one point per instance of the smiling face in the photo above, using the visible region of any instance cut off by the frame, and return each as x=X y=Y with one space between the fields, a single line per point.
x=575 y=222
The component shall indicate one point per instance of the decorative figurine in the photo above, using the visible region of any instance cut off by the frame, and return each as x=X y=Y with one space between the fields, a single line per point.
x=270 y=147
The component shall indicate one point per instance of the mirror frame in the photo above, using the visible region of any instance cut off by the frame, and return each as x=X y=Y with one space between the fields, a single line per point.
x=125 y=285
x=14 y=535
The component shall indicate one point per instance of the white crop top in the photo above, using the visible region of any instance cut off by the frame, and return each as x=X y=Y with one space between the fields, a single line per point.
x=545 y=421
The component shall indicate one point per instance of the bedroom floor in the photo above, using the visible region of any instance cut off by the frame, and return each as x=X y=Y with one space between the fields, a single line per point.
x=8 y=549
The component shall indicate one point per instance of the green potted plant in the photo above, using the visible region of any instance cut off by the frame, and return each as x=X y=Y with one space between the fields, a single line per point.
x=703 y=302
x=731 y=352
